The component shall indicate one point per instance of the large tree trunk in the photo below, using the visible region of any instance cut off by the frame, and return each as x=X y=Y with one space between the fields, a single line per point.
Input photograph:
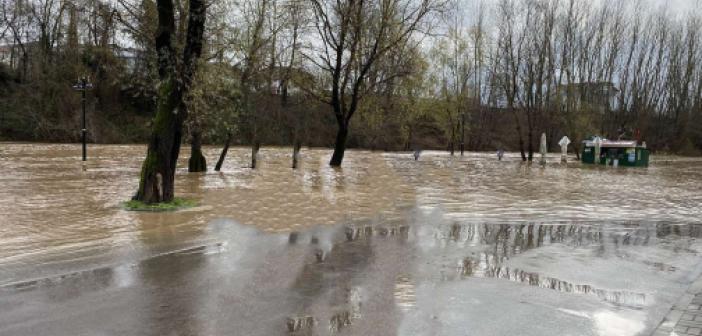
x=197 y=162
x=158 y=170
x=340 y=145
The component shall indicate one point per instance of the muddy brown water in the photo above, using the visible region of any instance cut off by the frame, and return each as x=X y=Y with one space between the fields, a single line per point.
x=384 y=245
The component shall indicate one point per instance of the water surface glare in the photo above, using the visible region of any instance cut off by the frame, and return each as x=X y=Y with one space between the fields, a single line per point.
x=384 y=245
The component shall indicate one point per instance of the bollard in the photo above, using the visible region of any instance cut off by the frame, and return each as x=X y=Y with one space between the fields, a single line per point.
x=296 y=155
x=254 y=154
x=565 y=141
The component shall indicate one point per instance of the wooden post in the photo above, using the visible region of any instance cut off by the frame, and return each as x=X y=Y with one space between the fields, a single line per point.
x=296 y=154
x=254 y=154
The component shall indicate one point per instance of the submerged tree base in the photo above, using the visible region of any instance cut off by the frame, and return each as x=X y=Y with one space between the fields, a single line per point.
x=175 y=204
x=197 y=163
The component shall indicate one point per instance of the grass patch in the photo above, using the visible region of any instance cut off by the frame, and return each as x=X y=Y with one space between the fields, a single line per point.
x=175 y=204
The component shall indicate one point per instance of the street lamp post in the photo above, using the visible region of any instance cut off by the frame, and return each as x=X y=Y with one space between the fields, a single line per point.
x=82 y=86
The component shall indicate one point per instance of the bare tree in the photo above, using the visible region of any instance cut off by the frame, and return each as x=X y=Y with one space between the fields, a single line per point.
x=250 y=50
x=355 y=35
x=453 y=71
x=509 y=53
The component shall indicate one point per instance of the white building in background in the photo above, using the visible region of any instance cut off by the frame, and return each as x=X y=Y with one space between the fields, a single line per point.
x=130 y=56
x=5 y=53
x=601 y=96
x=11 y=54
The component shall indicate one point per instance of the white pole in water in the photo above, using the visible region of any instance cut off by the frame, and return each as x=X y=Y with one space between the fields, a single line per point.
x=598 y=145
x=543 y=148
x=564 y=148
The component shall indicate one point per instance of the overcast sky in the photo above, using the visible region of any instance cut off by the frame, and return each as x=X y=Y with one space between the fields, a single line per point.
x=678 y=6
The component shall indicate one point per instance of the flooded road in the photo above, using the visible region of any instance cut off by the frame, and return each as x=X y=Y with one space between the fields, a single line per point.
x=384 y=246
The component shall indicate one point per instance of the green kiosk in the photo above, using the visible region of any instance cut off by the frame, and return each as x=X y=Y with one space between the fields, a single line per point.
x=626 y=153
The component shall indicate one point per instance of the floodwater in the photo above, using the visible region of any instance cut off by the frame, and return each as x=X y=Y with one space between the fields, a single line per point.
x=383 y=246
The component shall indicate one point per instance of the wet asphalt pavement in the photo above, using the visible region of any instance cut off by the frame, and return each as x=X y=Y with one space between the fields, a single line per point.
x=384 y=277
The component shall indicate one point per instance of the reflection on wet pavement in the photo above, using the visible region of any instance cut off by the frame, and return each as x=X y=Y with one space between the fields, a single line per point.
x=373 y=279
x=404 y=292
x=385 y=245
x=620 y=298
